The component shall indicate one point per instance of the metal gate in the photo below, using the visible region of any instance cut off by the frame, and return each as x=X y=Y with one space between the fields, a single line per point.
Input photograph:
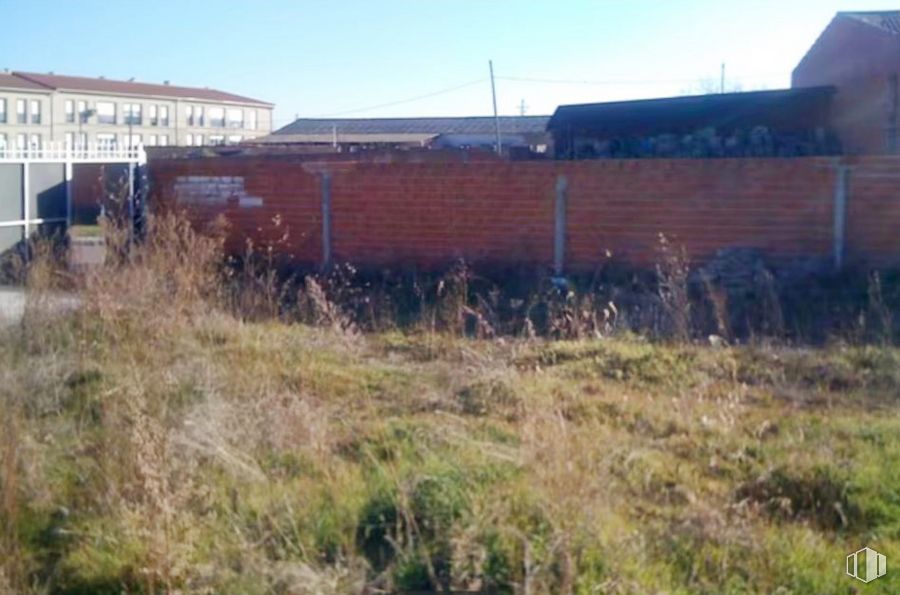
x=36 y=185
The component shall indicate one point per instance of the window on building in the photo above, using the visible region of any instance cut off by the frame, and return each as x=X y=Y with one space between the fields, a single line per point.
x=163 y=115
x=106 y=140
x=106 y=112
x=35 y=111
x=131 y=141
x=189 y=114
x=35 y=141
x=70 y=111
x=153 y=115
x=82 y=139
x=189 y=139
x=198 y=140
x=216 y=139
x=163 y=140
x=82 y=111
x=21 y=113
x=132 y=113
x=234 y=139
x=2 y=111
x=251 y=119
x=70 y=138
x=216 y=117
x=151 y=140
x=3 y=142
x=235 y=118
x=21 y=141
x=198 y=112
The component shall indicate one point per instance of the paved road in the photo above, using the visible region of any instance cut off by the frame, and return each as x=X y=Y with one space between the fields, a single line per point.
x=12 y=303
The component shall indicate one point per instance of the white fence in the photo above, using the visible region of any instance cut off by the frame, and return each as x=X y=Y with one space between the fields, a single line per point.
x=36 y=184
x=63 y=152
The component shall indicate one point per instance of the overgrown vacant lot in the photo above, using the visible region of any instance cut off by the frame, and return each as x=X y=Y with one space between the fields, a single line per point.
x=152 y=442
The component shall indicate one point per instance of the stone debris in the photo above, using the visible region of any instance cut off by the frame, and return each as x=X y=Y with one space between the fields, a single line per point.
x=214 y=191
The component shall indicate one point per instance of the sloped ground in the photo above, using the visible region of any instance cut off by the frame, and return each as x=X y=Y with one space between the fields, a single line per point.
x=211 y=455
x=173 y=431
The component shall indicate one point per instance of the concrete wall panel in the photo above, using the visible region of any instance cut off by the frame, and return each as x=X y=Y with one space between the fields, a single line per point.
x=10 y=192
x=47 y=191
x=9 y=237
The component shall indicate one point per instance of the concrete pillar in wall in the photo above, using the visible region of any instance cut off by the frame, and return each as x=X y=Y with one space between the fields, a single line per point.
x=68 y=181
x=841 y=186
x=559 y=233
x=326 y=221
x=26 y=192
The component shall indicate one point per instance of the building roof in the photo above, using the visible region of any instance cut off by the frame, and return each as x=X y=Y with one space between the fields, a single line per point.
x=432 y=126
x=787 y=109
x=11 y=81
x=327 y=139
x=113 y=87
x=478 y=140
x=886 y=20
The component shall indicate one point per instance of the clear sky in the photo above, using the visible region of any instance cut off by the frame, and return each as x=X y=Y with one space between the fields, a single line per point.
x=341 y=57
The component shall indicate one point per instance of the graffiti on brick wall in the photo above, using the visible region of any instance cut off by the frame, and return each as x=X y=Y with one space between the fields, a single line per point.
x=214 y=191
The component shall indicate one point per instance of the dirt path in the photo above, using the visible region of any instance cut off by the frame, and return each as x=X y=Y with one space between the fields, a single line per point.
x=12 y=303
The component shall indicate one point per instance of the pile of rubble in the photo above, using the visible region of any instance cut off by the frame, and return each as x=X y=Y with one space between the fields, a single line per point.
x=760 y=141
x=738 y=271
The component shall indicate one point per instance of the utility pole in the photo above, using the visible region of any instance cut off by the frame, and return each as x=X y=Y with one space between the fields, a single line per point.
x=722 y=80
x=522 y=108
x=496 y=117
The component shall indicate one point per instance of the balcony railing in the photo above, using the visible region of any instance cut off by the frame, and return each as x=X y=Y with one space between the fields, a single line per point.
x=61 y=151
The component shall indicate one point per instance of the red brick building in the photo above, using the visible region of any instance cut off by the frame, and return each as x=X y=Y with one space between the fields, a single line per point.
x=859 y=54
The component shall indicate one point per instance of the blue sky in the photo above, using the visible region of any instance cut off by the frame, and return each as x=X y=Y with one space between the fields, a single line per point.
x=341 y=57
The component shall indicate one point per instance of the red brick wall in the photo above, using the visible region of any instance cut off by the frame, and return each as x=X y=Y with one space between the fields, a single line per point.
x=501 y=213
x=873 y=212
x=290 y=220
x=428 y=215
x=848 y=50
x=780 y=206
x=862 y=113
x=863 y=62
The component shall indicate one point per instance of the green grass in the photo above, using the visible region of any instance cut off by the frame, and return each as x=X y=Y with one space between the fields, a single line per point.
x=86 y=231
x=205 y=454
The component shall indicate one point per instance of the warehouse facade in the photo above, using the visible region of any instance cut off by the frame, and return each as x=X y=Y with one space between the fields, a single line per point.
x=40 y=109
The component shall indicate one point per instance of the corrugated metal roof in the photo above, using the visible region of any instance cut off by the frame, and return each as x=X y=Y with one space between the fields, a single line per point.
x=113 y=87
x=478 y=140
x=786 y=108
x=399 y=138
x=887 y=20
x=462 y=125
x=11 y=81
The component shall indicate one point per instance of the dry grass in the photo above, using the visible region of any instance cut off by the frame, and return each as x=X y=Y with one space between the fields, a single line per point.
x=174 y=435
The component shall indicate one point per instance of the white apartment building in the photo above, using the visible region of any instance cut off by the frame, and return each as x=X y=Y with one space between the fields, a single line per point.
x=39 y=108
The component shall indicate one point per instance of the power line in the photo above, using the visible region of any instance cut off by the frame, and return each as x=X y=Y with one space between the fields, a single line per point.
x=402 y=101
x=621 y=81
x=524 y=80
